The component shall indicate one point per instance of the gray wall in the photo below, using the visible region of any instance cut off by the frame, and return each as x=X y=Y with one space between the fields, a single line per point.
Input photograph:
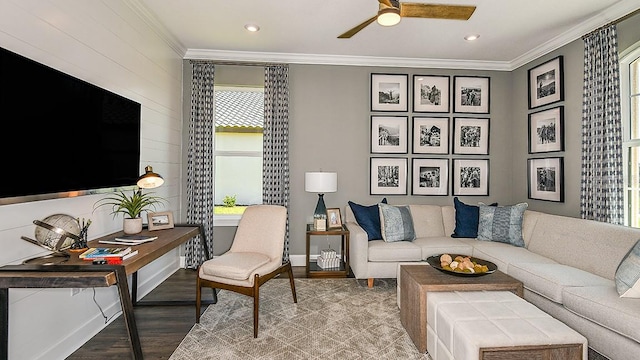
x=330 y=131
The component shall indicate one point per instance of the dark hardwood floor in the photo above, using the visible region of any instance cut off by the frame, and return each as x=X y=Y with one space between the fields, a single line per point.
x=161 y=328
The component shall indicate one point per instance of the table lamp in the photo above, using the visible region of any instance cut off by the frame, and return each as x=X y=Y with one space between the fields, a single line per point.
x=321 y=183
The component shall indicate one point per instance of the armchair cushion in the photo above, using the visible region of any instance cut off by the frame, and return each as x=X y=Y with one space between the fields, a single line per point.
x=234 y=265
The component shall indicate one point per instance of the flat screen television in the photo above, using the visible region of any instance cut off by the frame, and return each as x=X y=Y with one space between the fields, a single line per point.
x=62 y=136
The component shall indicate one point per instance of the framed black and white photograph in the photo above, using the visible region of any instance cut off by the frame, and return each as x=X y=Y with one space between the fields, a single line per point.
x=388 y=176
x=546 y=130
x=389 y=92
x=431 y=93
x=389 y=134
x=160 y=220
x=430 y=177
x=430 y=135
x=545 y=179
x=471 y=94
x=546 y=83
x=471 y=136
x=470 y=177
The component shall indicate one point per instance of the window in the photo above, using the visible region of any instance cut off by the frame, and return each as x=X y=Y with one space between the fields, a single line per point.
x=630 y=105
x=239 y=119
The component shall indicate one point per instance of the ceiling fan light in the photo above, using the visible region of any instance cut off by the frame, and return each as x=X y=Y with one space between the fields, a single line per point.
x=389 y=16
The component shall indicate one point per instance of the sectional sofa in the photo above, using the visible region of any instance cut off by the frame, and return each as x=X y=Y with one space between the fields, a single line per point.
x=567 y=266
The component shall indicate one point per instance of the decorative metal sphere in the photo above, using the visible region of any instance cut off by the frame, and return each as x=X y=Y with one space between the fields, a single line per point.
x=57 y=232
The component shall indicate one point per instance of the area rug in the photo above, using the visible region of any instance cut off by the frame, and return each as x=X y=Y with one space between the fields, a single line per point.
x=333 y=319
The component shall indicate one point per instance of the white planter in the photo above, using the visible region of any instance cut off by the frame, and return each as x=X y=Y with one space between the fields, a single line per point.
x=132 y=226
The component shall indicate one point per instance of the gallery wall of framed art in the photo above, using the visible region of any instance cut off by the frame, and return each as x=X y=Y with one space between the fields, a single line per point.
x=429 y=153
x=546 y=135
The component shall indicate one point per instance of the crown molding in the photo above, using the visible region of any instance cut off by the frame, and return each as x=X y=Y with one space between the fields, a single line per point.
x=604 y=18
x=319 y=59
x=156 y=26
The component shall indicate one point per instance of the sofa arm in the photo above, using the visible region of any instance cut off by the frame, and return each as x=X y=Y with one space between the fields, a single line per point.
x=358 y=250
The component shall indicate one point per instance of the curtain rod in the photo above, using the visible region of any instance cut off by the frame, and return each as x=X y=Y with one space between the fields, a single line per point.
x=614 y=22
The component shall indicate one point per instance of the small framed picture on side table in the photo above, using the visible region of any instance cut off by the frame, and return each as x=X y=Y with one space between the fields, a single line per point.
x=160 y=220
x=334 y=220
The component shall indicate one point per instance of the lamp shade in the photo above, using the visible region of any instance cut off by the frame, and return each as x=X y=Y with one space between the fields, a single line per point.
x=321 y=182
x=149 y=179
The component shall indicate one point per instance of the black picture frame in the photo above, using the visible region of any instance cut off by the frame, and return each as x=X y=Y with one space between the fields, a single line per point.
x=546 y=130
x=388 y=176
x=470 y=177
x=430 y=177
x=389 y=134
x=430 y=135
x=431 y=93
x=545 y=179
x=389 y=92
x=471 y=94
x=470 y=136
x=546 y=83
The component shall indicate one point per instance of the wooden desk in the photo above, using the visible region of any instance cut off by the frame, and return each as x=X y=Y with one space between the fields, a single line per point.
x=77 y=273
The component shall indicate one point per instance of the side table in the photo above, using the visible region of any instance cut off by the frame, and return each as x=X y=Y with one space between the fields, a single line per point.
x=312 y=268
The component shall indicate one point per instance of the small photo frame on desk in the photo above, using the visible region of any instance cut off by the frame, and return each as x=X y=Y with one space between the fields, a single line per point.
x=334 y=220
x=160 y=220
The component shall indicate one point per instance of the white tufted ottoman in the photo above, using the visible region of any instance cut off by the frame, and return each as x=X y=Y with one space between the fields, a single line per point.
x=496 y=325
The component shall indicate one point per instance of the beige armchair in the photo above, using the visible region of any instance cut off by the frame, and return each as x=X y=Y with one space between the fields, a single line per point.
x=254 y=258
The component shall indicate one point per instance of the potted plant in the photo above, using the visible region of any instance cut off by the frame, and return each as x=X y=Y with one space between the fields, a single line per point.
x=131 y=206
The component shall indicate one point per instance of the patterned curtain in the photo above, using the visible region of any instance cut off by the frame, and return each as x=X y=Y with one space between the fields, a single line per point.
x=200 y=200
x=602 y=196
x=275 y=168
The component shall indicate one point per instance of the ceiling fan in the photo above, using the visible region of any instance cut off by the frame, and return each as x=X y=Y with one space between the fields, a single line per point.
x=390 y=12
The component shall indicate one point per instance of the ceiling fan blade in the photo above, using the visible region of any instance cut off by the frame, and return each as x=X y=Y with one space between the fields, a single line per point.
x=434 y=11
x=386 y=2
x=355 y=30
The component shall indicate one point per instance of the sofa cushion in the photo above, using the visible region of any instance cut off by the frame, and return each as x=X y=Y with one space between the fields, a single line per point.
x=503 y=254
x=368 y=217
x=396 y=223
x=628 y=274
x=555 y=236
x=466 y=220
x=602 y=305
x=427 y=220
x=436 y=245
x=549 y=280
x=382 y=251
x=502 y=223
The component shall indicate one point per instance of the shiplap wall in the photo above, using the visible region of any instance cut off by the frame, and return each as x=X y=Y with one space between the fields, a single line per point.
x=106 y=43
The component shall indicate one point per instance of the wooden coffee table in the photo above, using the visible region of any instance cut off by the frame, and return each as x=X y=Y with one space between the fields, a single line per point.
x=416 y=281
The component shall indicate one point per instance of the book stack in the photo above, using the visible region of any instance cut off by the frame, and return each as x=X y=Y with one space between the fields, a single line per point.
x=107 y=253
x=328 y=259
x=129 y=240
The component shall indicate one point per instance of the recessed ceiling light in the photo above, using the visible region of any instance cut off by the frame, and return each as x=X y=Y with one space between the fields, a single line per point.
x=471 y=37
x=252 y=27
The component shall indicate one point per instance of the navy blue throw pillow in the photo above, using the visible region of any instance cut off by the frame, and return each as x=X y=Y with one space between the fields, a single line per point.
x=368 y=217
x=467 y=219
